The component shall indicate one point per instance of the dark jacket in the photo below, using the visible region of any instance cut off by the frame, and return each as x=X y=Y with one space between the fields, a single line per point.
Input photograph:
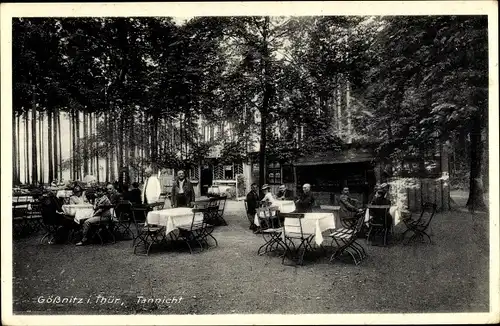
x=134 y=196
x=305 y=203
x=188 y=191
x=114 y=198
x=284 y=193
x=252 y=202
x=378 y=214
x=347 y=206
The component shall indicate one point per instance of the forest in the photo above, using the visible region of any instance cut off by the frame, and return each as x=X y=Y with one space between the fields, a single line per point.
x=137 y=91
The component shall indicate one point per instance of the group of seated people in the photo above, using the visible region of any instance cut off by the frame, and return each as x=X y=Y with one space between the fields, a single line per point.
x=303 y=203
x=349 y=206
x=103 y=199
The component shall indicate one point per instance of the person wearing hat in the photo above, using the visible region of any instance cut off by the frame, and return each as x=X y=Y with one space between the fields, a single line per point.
x=305 y=202
x=268 y=195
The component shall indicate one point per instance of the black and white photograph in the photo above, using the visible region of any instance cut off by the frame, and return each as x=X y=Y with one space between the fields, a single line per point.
x=213 y=163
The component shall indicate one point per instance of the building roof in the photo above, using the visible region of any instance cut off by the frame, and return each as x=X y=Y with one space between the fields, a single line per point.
x=353 y=155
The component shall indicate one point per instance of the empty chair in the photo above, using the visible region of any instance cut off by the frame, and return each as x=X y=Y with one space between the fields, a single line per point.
x=293 y=231
x=380 y=222
x=419 y=227
x=272 y=233
x=345 y=240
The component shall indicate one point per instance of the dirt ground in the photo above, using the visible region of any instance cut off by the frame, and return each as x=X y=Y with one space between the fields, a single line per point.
x=450 y=275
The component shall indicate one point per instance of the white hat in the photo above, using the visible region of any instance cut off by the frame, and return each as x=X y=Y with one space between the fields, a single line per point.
x=266 y=186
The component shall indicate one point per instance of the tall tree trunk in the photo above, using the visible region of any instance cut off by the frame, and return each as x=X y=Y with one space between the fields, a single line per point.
x=107 y=164
x=55 y=144
x=59 y=145
x=112 y=151
x=41 y=148
x=18 y=149
x=90 y=144
x=476 y=200
x=49 y=146
x=72 y=158
x=79 y=147
x=85 y=145
x=26 y=148
x=14 y=149
x=34 y=151
x=121 y=130
x=265 y=103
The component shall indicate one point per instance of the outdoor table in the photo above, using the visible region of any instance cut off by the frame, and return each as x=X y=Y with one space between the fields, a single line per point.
x=312 y=223
x=80 y=212
x=64 y=193
x=172 y=218
x=394 y=211
x=284 y=206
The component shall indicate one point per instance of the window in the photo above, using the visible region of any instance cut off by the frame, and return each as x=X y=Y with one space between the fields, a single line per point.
x=228 y=172
x=274 y=174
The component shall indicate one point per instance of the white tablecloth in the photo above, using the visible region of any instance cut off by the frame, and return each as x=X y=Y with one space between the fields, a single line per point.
x=79 y=212
x=172 y=218
x=64 y=193
x=312 y=223
x=219 y=190
x=394 y=211
x=284 y=206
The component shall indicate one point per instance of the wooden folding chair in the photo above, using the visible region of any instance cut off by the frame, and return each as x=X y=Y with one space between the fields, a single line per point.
x=147 y=235
x=194 y=232
x=123 y=219
x=345 y=240
x=273 y=233
x=380 y=222
x=293 y=230
x=420 y=226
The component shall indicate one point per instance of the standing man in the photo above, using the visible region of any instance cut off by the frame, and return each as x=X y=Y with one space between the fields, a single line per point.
x=305 y=202
x=252 y=204
x=152 y=188
x=182 y=191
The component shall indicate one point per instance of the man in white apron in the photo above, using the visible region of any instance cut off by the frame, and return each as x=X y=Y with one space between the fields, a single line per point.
x=152 y=188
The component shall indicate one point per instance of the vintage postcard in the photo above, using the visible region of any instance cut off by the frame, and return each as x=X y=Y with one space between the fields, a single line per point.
x=250 y=163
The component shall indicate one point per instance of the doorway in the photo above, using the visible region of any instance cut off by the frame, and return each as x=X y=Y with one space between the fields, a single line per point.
x=206 y=179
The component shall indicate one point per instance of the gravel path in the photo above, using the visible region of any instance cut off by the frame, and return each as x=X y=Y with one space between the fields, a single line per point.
x=450 y=275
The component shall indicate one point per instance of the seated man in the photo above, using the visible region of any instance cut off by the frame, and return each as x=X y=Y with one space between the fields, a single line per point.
x=305 y=202
x=348 y=206
x=102 y=213
x=134 y=195
x=252 y=204
x=113 y=195
x=52 y=215
x=283 y=193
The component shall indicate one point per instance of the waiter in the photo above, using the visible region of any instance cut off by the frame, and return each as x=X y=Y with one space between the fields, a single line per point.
x=182 y=191
x=152 y=188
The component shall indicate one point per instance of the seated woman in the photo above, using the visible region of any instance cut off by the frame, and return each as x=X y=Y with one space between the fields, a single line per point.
x=268 y=196
x=78 y=196
x=102 y=213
